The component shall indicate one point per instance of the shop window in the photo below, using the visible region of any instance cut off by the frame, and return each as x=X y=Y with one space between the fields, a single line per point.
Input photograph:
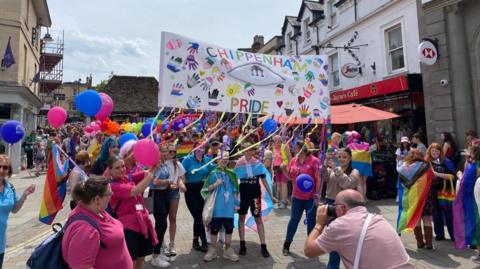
x=335 y=71
x=395 y=54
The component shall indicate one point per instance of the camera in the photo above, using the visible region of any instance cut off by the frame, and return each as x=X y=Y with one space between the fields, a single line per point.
x=331 y=211
x=443 y=82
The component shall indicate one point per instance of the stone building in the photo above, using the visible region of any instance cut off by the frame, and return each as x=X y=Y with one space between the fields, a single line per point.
x=452 y=83
x=20 y=26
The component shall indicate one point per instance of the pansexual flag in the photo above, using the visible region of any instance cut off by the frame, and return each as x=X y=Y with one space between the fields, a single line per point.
x=55 y=186
x=361 y=158
x=413 y=188
x=466 y=223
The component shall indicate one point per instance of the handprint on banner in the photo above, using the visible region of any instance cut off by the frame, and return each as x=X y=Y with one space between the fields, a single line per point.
x=209 y=62
x=279 y=90
x=308 y=76
x=191 y=62
x=177 y=89
x=221 y=77
x=215 y=70
x=304 y=111
x=226 y=64
x=174 y=64
x=207 y=83
x=309 y=90
x=193 y=80
x=174 y=44
x=323 y=79
x=233 y=89
x=193 y=102
x=296 y=76
x=288 y=108
x=193 y=48
x=213 y=98
x=249 y=89
x=293 y=91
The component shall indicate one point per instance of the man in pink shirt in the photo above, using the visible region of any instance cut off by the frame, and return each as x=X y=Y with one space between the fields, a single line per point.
x=382 y=247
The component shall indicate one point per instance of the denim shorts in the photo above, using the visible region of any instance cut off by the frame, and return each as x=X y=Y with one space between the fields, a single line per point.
x=174 y=194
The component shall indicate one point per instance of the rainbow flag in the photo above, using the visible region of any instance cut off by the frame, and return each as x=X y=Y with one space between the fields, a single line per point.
x=55 y=186
x=466 y=222
x=257 y=168
x=361 y=158
x=414 y=183
x=184 y=149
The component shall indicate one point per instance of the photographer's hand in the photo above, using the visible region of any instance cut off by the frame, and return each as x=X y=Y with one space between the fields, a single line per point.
x=322 y=216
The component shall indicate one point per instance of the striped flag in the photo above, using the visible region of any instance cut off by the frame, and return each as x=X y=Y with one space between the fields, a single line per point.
x=55 y=187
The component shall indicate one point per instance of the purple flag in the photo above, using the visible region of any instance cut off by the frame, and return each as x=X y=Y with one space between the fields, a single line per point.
x=8 y=58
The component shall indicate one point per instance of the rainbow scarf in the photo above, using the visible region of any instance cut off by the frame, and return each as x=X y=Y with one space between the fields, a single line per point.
x=184 y=149
x=267 y=204
x=414 y=183
x=466 y=222
x=361 y=158
x=55 y=186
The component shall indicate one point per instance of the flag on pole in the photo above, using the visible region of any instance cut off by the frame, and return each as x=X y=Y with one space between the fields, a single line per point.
x=8 y=58
x=55 y=186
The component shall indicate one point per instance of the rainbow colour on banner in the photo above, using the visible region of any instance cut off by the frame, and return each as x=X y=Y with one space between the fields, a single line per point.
x=413 y=188
x=55 y=186
x=184 y=149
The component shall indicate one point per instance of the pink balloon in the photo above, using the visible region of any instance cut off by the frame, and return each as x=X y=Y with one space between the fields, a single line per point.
x=146 y=152
x=107 y=107
x=56 y=116
x=88 y=129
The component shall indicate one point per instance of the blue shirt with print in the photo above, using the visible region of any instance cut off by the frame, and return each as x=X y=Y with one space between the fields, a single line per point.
x=161 y=173
x=8 y=200
x=224 y=207
x=190 y=163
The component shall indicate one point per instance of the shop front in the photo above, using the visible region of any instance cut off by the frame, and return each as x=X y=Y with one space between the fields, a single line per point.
x=402 y=95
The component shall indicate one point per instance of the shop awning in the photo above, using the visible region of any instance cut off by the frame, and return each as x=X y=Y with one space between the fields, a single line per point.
x=341 y=114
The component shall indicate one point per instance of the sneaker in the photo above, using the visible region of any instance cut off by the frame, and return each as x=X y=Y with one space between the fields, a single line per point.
x=264 y=251
x=229 y=254
x=204 y=246
x=160 y=262
x=476 y=259
x=282 y=205
x=164 y=257
x=171 y=250
x=211 y=254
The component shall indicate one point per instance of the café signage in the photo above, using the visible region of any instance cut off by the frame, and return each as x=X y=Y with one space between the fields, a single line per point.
x=350 y=70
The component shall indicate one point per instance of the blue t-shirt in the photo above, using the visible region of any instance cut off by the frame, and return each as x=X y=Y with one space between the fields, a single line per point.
x=190 y=163
x=8 y=200
x=162 y=173
x=224 y=203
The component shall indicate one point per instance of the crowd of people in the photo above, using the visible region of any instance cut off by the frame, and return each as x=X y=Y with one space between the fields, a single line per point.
x=110 y=187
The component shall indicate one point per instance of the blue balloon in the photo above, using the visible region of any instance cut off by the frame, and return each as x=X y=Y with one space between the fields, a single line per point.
x=12 y=131
x=127 y=137
x=88 y=102
x=305 y=183
x=152 y=120
x=269 y=125
x=147 y=126
x=165 y=125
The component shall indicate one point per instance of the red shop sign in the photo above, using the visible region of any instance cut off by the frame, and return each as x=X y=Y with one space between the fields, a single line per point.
x=383 y=87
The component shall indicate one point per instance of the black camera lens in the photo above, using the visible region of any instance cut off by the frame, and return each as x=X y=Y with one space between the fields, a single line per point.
x=331 y=211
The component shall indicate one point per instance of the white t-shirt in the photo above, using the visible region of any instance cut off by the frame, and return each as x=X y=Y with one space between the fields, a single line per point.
x=175 y=174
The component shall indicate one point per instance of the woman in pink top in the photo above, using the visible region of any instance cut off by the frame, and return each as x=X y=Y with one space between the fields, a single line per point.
x=303 y=163
x=83 y=246
x=127 y=202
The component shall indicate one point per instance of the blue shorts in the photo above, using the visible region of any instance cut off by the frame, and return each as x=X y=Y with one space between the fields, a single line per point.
x=174 y=194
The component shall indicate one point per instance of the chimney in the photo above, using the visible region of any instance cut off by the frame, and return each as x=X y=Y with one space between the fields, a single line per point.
x=258 y=43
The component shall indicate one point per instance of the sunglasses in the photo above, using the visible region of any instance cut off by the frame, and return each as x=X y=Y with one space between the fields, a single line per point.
x=5 y=167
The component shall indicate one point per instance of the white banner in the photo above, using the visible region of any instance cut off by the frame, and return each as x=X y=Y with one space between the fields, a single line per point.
x=197 y=75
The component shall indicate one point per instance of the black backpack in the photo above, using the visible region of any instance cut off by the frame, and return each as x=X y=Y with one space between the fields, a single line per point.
x=49 y=253
x=113 y=211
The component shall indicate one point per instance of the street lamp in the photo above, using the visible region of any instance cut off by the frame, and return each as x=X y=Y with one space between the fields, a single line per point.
x=47 y=37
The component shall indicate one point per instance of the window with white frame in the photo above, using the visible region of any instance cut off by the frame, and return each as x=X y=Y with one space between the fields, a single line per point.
x=394 y=44
x=290 y=42
x=332 y=13
x=335 y=70
x=306 y=30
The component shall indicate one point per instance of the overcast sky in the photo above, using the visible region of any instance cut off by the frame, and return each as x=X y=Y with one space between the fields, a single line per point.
x=123 y=36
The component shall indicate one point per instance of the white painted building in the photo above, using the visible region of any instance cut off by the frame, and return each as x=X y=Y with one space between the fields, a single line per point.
x=381 y=64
